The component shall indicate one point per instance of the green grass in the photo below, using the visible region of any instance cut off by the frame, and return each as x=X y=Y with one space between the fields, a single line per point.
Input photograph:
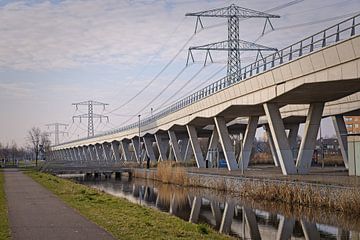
x=4 y=223
x=123 y=219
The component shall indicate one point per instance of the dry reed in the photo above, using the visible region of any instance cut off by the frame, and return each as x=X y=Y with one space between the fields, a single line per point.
x=167 y=172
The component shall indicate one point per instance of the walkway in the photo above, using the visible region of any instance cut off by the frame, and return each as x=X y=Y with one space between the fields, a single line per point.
x=35 y=213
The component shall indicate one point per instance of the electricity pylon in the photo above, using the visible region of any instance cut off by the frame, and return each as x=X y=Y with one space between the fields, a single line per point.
x=57 y=131
x=233 y=45
x=90 y=115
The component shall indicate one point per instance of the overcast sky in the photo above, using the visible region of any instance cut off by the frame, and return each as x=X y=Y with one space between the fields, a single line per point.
x=55 y=53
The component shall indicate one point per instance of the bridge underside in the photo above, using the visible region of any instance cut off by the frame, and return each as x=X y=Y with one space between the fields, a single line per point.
x=321 y=84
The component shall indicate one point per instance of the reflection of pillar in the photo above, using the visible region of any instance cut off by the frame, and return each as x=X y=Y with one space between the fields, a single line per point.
x=281 y=142
x=248 y=141
x=225 y=142
x=308 y=141
x=225 y=226
x=215 y=209
x=195 y=210
x=343 y=234
x=285 y=229
x=310 y=230
x=173 y=205
x=341 y=132
x=251 y=223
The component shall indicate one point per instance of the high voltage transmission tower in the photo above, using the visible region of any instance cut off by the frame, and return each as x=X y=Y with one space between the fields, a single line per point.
x=233 y=45
x=57 y=131
x=90 y=115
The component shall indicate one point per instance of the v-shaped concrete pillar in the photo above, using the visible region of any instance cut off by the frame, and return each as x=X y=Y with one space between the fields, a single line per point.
x=271 y=145
x=226 y=143
x=115 y=150
x=293 y=133
x=107 y=152
x=308 y=141
x=175 y=146
x=248 y=141
x=194 y=140
x=92 y=153
x=281 y=142
x=137 y=150
x=213 y=143
x=341 y=132
x=188 y=151
x=162 y=145
x=149 y=149
x=125 y=149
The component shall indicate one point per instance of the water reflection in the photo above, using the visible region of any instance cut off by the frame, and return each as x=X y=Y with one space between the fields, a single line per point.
x=227 y=214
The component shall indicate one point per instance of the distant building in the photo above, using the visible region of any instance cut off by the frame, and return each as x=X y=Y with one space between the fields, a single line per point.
x=352 y=124
x=330 y=146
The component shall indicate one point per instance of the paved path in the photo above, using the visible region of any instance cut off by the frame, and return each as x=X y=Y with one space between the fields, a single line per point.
x=35 y=213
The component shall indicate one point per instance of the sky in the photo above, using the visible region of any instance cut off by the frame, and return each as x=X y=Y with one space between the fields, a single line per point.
x=55 y=53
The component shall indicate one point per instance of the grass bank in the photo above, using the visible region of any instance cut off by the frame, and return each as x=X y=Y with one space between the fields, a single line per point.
x=123 y=219
x=4 y=223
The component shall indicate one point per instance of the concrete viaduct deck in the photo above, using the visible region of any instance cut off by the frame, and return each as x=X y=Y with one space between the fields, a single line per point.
x=298 y=84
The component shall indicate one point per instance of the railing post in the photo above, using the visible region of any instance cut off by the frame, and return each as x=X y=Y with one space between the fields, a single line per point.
x=273 y=60
x=312 y=44
x=324 y=39
x=301 y=49
x=290 y=54
x=353 y=27
x=281 y=56
x=337 y=33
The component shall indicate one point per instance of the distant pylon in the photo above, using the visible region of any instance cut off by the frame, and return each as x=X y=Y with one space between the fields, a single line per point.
x=90 y=115
x=57 y=131
x=233 y=45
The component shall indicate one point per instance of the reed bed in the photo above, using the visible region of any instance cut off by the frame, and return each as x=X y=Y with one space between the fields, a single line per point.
x=168 y=172
x=345 y=201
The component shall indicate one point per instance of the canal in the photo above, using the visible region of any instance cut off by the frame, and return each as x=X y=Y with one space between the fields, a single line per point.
x=227 y=212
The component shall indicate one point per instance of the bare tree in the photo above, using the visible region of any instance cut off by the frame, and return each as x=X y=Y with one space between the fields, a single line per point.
x=34 y=138
x=45 y=143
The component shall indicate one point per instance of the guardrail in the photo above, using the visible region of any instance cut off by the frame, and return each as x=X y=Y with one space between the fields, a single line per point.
x=340 y=31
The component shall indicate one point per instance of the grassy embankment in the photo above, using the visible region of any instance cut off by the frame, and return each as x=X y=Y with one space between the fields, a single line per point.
x=4 y=223
x=123 y=219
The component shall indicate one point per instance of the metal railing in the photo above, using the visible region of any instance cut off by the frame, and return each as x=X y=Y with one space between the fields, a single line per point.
x=338 y=32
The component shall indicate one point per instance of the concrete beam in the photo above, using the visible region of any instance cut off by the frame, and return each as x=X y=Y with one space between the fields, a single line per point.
x=341 y=132
x=248 y=142
x=194 y=140
x=308 y=141
x=175 y=146
x=149 y=148
x=225 y=142
x=281 y=142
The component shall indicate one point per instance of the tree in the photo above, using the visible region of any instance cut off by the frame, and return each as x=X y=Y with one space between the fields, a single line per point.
x=45 y=143
x=34 y=138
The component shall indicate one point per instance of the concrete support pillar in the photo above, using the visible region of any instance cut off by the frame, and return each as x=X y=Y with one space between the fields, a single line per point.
x=115 y=150
x=162 y=145
x=194 y=140
x=271 y=145
x=188 y=151
x=99 y=153
x=183 y=143
x=308 y=141
x=213 y=143
x=137 y=150
x=341 y=132
x=74 y=155
x=227 y=217
x=92 y=154
x=195 y=210
x=69 y=155
x=84 y=154
x=175 y=146
x=250 y=219
x=80 y=154
x=149 y=148
x=125 y=149
x=281 y=142
x=225 y=142
x=293 y=133
x=107 y=152
x=285 y=229
x=248 y=141
x=310 y=230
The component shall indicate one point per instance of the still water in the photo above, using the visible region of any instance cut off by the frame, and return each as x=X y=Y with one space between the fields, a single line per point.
x=227 y=213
